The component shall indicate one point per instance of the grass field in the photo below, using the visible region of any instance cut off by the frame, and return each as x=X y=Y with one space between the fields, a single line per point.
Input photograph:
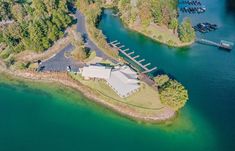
x=161 y=34
x=146 y=97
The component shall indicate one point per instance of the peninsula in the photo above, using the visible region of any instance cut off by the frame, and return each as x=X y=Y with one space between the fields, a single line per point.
x=57 y=41
x=157 y=19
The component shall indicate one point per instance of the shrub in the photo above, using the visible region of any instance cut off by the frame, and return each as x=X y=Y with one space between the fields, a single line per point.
x=161 y=80
x=160 y=37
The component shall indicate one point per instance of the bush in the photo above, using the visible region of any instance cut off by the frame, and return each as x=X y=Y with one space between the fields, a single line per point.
x=20 y=65
x=161 y=80
x=5 y=53
x=170 y=42
x=160 y=37
x=80 y=53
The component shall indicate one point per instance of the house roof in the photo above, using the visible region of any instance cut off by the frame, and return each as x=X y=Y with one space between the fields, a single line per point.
x=122 y=79
x=96 y=71
x=124 y=83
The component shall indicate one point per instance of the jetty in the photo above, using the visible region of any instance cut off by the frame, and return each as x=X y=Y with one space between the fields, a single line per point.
x=222 y=44
x=126 y=52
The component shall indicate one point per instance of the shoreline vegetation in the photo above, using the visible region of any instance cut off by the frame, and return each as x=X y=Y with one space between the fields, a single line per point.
x=156 y=19
x=23 y=62
x=92 y=16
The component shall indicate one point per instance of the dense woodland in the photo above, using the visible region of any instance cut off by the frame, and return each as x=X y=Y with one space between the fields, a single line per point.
x=36 y=24
x=157 y=11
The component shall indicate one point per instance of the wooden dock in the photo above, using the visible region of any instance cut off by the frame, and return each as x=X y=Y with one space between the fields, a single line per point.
x=126 y=52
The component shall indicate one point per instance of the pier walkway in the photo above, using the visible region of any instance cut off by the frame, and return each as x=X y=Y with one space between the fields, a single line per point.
x=223 y=44
x=208 y=42
x=126 y=52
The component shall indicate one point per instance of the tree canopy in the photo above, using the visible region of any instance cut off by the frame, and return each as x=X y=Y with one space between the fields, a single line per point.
x=80 y=52
x=186 y=32
x=161 y=80
x=38 y=23
x=157 y=11
x=160 y=12
x=172 y=93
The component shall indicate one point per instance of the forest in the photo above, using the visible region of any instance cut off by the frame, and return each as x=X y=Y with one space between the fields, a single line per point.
x=32 y=25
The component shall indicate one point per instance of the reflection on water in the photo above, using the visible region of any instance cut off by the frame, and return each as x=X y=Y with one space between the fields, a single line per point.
x=205 y=71
x=230 y=7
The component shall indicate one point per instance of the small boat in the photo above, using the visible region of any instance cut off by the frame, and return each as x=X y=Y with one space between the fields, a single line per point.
x=115 y=14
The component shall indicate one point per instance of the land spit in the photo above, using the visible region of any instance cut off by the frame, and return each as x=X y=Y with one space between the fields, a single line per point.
x=63 y=78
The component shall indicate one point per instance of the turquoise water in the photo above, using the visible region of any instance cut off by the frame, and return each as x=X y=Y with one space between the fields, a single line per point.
x=43 y=117
x=207 y=72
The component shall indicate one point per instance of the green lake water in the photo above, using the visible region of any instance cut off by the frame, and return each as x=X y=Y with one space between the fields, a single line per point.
x=45 y=117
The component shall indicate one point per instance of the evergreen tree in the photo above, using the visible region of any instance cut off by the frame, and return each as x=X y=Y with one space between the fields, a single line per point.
x=5 y=10
x=186 y=32
x=174 y=24
x=50 y=6
x=18 y=12
x=36 y=36
x=40 y=10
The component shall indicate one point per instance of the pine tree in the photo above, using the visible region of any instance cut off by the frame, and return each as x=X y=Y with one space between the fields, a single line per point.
x=39 y=8
x=186 y=32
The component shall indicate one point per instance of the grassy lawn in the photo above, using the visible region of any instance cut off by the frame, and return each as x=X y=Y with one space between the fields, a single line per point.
x=107 y=62
x=91 y=56
x=146 y=97
x=160 y=33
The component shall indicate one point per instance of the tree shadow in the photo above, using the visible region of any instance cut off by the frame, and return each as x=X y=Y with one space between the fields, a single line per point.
x=162 y=72
x=87 y=51
x=72 y=8
x=230 y=7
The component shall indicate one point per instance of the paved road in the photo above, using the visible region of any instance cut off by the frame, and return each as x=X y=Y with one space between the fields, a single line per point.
x=59 y=62
x=81 y=27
